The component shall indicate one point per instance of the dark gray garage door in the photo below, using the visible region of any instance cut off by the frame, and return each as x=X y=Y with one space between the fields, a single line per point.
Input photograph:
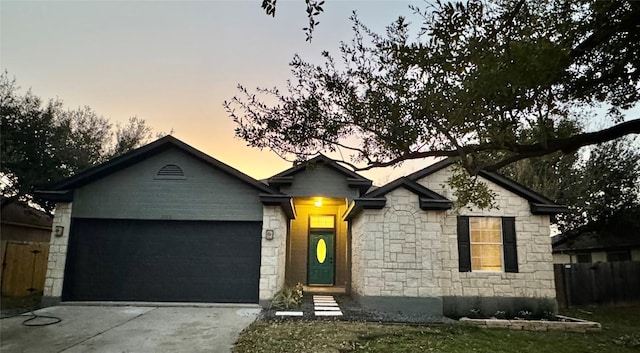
x=172 y=261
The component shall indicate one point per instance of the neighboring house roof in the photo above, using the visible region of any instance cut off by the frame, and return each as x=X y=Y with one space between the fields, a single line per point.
x=63 y=190
x=18 y=213
x=594 y=240
x=539 y=203
x=621 y=231
x=354 y=179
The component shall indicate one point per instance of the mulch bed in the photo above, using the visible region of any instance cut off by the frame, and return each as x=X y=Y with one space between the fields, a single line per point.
x=353 y=311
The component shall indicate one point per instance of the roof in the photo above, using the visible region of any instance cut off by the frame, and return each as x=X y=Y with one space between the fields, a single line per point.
x=539 y=203
x=375 y=199
x=620 y=231
x=15 y=212
x=594 y=240
x=63 y=190
x=354 y=179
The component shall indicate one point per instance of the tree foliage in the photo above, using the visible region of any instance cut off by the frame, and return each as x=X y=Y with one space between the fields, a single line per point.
x=490 y=82
x=314 y=8
x=600 y=184
x=44 y=142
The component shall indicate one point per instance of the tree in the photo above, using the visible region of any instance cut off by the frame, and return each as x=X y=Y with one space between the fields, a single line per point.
x=601 y=184
x=41 y=143
x=314 y=8
x=478 y=80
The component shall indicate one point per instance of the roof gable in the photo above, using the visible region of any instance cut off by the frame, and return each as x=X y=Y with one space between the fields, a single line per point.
x=428 y=199
x=354 y=180
x=62 y=189
x=539 y=203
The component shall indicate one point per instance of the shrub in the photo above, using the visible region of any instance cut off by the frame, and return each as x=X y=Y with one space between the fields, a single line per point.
x=288 y=297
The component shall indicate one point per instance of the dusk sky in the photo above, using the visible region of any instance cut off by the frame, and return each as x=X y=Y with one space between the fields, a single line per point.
x=174 y=63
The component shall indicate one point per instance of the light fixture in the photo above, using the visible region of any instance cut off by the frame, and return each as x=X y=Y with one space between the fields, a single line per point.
x=318 y=202
x=269 y=234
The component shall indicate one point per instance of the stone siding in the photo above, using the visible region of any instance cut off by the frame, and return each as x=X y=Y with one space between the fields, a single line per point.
x=57 y=253
x=273 y=257
x=534 y=278
x=395 y=249
x=402 y=250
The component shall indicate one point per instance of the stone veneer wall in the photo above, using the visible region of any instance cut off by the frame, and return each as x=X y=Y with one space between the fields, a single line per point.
x=535 y=261
x=384 y=264
x=273 y=257
x=57 y=255
x=395 y=249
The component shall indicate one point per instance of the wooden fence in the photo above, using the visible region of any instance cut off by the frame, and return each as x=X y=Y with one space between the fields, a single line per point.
x=603 y=283
x=24 y=266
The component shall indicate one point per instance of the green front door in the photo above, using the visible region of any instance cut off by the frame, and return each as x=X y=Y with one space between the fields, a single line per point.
x=321 y=267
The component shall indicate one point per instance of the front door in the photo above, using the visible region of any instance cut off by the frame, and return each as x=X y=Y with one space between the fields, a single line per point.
x=321 y=249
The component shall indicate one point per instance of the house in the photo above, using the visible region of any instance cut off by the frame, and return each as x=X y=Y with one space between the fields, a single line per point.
x=23 y=223
x=167 y=222
x=611 y=244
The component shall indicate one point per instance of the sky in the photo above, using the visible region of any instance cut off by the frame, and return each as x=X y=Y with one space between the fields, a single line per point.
x=173 y=63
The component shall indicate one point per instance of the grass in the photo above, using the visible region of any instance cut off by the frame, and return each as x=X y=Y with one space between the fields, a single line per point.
x=620 y=334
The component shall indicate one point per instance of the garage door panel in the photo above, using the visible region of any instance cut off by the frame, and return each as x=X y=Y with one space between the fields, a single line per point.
x=163 y=261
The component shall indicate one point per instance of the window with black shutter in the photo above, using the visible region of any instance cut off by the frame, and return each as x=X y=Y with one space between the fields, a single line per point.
x=487 y=244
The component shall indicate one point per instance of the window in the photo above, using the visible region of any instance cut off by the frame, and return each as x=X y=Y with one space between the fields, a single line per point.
x=583 y=258
x=487 y=244
x=321 y=221
x=620 y=255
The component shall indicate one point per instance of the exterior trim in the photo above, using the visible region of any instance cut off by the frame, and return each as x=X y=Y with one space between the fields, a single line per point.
x=547 y=209
x=362 y=203
x=354 y=179
x=284 y=201
x=408 y=184
x=132 y=157
x=55 y=196
x=540 y=205
x=435 y=205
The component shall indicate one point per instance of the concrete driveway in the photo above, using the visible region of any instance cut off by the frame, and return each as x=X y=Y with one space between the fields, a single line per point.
x=129 y=329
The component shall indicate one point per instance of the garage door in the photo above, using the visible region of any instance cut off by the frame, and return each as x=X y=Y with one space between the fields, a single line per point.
x=172 y=261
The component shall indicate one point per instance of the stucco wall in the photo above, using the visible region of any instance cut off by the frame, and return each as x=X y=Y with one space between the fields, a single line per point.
x=57 y=255
x=273 y=257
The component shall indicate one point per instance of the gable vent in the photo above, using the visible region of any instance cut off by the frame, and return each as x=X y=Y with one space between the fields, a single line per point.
x=170 y=171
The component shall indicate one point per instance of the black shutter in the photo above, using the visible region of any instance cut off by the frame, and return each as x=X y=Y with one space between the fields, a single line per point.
x=464 y=245
x=509 y=244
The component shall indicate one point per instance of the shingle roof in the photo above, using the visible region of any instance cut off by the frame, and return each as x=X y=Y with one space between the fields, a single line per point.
x=61 y=189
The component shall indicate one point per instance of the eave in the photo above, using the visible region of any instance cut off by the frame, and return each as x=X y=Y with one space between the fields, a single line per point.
x=283 y=201
x=55 y=195
x=547 y=209
x=427 y=204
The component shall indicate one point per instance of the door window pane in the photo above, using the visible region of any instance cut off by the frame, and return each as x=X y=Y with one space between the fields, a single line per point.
x=316 y=221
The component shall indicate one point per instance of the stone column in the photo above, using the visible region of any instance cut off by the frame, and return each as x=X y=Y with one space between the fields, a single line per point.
x=57 y=254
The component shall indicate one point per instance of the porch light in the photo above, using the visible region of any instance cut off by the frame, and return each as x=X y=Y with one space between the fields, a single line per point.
x=318 y=202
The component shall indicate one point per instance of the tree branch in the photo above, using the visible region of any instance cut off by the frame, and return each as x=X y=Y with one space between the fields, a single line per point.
x=565 y=145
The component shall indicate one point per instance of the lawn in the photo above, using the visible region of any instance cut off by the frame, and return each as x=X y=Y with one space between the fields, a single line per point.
x=620 y=334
